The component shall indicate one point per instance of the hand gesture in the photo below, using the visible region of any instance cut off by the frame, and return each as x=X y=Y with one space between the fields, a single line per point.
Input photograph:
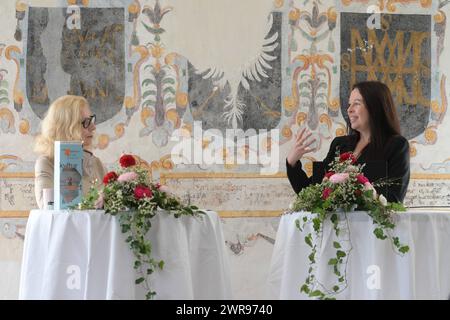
x=301 y=146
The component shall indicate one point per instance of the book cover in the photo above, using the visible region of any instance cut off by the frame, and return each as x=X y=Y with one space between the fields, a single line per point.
x=68 y=174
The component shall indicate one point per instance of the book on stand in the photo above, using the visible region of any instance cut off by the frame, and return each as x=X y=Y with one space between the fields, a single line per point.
x=68 y=174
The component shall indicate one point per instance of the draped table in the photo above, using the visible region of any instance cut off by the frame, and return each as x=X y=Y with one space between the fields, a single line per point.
x=83 y=255
x=374 y=270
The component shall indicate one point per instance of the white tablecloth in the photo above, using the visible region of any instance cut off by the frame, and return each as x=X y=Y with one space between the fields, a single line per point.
x=64 y=246
x=422 y=273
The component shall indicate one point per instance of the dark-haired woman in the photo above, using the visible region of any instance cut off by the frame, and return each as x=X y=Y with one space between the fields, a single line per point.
x=374 y=135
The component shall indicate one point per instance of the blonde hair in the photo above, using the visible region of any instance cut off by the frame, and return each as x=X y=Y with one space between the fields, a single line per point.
x=61 y=123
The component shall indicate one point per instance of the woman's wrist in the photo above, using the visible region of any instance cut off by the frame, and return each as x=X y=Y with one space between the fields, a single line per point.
x=291 y=161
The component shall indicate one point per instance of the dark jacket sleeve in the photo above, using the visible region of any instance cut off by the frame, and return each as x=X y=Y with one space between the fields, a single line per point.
x=297 y=176
x=397 y=157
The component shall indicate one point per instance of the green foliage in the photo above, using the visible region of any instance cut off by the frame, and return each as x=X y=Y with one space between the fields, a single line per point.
x=342 y=190
x=135 y=211
x=88 y=202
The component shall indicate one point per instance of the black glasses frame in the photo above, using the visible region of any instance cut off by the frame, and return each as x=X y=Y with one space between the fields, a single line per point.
x=87 y=122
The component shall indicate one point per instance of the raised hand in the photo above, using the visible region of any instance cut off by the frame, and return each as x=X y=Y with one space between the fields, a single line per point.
x=301 y=146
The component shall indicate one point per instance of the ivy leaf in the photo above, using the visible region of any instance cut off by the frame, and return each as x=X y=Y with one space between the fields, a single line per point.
x=316 y=224
x=404 y=249
x=161 y=264
x=379 y=233
x=316 y=293
x=332 y=261
x=340 y=254
x=336 y=245
x=308 y=240
x=304 y=289
x=140 y=280
x=335 y=288
x=396 y=241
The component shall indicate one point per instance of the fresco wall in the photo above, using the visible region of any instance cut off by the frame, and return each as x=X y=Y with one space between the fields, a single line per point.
x=161 y=73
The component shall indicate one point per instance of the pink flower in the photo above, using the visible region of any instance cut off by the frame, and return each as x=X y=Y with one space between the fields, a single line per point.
x=361 y=179
x=164 y=189
x=328 y=175
x=127 y=176
x=368 y=186
x=100 y=202
x=339 y=177
x=142 y=191
x=326 y=193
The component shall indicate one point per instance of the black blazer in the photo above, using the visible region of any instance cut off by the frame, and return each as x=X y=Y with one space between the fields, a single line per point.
x=396 y=154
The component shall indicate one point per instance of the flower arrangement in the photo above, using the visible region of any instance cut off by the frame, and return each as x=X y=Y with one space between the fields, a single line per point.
x=129 y=193
x=343 y=189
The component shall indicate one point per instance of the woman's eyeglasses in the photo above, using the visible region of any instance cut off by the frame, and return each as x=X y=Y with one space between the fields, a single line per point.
x=87 y=121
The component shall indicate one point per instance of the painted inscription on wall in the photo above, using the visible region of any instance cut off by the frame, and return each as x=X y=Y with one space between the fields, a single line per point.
x=244 y=194
x=17 y=195
x=428 y=193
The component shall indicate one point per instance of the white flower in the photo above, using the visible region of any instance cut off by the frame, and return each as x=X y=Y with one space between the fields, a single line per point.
x=351 y=168
x=383 y=200
x=369 y=186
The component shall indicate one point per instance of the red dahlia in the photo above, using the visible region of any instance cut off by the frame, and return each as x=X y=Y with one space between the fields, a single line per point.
x=346 y=156
x=142 y=191
x=127 y=160
x=109 y=177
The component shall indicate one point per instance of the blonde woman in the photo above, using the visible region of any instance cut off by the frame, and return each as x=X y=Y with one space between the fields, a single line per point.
x=69 y=118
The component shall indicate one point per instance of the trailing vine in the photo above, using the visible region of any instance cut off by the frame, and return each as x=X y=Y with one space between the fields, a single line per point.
x=135 y=200
x=342 y=190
